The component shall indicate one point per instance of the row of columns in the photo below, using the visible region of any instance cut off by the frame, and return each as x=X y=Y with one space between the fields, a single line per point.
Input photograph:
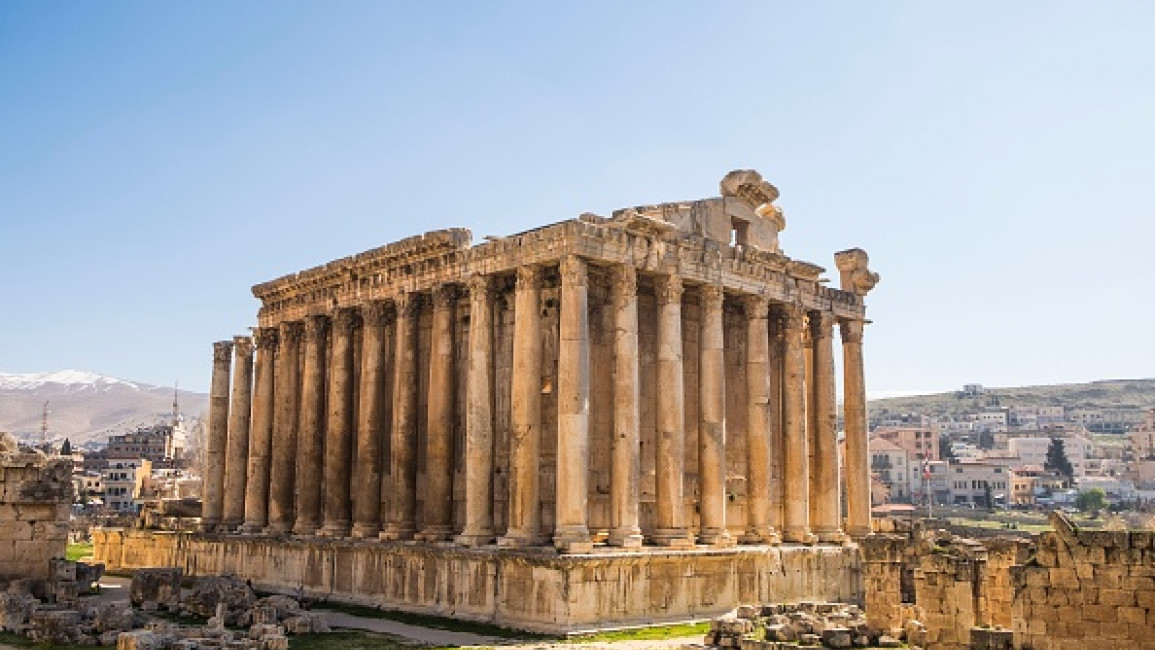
x=290 y=446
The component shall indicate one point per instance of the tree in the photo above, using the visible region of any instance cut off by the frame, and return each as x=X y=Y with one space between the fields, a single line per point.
x=1057 y=459
x=945 y=452
x=1092 y=500
x=986 y=440
x=66 y=448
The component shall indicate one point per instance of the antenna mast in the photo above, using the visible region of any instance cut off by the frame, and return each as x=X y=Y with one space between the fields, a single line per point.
x=44 y=425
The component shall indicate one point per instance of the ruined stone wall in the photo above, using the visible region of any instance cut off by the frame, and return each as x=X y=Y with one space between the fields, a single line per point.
x=527 y=590
x=35 y=496
x=1086 y=589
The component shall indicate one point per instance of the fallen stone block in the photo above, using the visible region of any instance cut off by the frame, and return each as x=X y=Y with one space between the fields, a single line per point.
x=152 y=588
x=837 y=637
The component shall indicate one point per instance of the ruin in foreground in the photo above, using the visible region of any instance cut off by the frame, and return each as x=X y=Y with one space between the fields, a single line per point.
x=599 y=422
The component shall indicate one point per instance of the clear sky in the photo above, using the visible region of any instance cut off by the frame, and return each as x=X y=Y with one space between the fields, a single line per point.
x=995 y=159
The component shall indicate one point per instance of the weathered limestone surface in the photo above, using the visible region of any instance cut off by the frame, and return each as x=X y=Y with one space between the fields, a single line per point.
x=35 y=493
x=522 y=589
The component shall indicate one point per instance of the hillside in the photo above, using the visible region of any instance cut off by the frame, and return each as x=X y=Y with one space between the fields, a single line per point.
x=1107 y=394
x=84 y=406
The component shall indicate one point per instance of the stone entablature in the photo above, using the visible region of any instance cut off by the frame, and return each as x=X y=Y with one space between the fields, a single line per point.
x=664 y=376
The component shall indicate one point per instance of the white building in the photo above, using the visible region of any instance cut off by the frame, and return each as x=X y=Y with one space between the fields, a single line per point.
x=122 y=481
x=1033 y=451
x=973 y=483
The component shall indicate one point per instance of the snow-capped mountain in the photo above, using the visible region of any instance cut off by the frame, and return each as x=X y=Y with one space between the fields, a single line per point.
x=85 y=405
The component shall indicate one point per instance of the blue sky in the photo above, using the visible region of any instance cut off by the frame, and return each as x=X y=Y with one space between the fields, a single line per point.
x=995 y=159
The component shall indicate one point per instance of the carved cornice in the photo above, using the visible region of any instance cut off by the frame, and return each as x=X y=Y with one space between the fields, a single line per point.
x=851 y=330
x=265 y=337
x=712 y=297
x=222 y=352
x=529 y=278
x=243 y=346
x=624 y=281
x=747 y=184
x=573 y=271
x=668 y=289
x=855 y=276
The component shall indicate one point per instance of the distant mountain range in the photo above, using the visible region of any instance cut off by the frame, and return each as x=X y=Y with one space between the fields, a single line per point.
x=1123 y=394
x=86 y=406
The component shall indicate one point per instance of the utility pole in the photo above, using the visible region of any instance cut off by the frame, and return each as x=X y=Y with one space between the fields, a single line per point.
x=44 y=426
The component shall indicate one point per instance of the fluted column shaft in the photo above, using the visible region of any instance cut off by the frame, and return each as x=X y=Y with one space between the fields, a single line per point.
x=339 y=427
x=403 y=459
x=260 y=432
x=811 y=417
x=854 y=412
x=282 y=474
x=525 y=413
x=214 y=471
x=777 y=356
x=796 y=484
x=438 y=504
x=758 y=459
x=311 y=436
x=626 y=442
x=670 y=517
x=479 y=417
x=573 y=409
x=371 y=424
x=712 y=417
x=237 y=453
x=827 y=513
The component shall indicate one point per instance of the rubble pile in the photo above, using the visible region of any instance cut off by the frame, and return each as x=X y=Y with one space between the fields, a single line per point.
x=780 y=626
x=236 y=618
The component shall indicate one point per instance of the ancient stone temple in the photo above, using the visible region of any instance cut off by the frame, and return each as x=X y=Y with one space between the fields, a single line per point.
x=652 y=388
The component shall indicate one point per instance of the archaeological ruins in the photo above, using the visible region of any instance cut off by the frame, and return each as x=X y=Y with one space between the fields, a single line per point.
x=598 y=422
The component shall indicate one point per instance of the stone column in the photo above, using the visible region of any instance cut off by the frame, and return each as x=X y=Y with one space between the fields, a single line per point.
x=571 y=534
x=826 y=511
x=758 y=458
x=237 y=454
x=626 y=442
x=339 y=427
x=478 y=529
x=777 y=359
x=670 y=516
x=371 y=425
x=796 y=484
x=712 y=418
x=403 y=457
x=311 y=436
x=854 y=412
x=437 y=523
x=287 y=399
x=811 y=414
x=214 y=475
x=525 y=413
x=260 y=433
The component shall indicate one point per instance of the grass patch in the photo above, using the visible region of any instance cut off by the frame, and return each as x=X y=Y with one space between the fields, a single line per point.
x=76 y=551
x=348 y=640
x=18 y=641
x=645 y=633
x=425 y=620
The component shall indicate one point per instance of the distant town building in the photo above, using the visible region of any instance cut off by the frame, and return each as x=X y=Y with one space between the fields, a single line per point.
x=972 y=390
x=920 y=442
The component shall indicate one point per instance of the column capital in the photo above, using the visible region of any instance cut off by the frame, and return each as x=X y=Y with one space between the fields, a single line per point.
x=222 y=351
x=243 y=345
x=712 y=296
x=291 y=331
x=821 y=324
x=344 y=319
x=315 y=327
x=668 y=289
x=377 y=312
x=445 y=295
x=265 y=337
x=624 y=279
x=792 y=316
x=573 y=271
x=408 y=303
x=756 y=305
x=851 y=330
x=480 y=284
x=529 y=277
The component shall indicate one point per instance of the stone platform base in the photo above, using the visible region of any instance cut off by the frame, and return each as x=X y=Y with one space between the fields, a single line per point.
x=528 y=589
